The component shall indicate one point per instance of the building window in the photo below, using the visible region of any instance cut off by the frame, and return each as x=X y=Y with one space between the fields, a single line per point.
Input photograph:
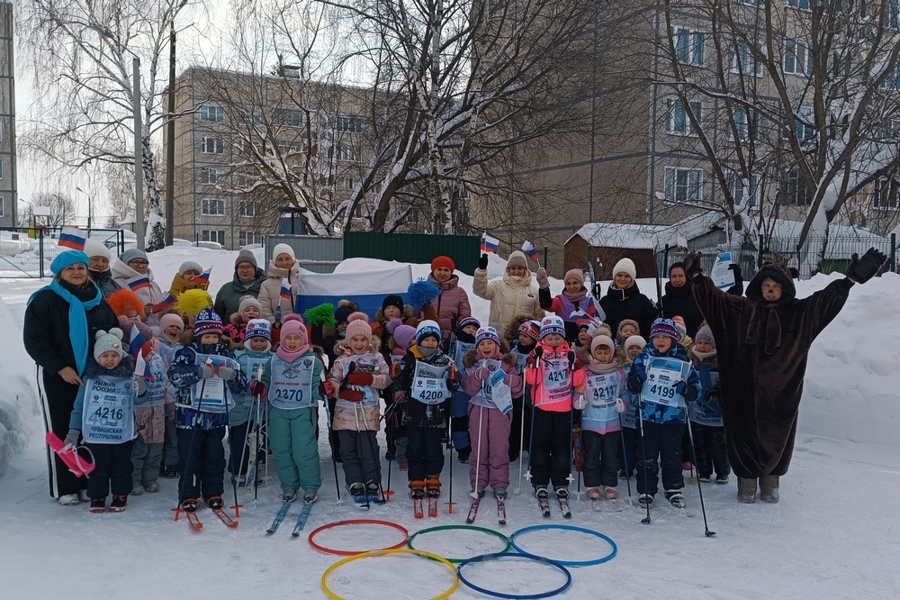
x=254 y=116
x=211 y=145
x=743 y=60
x=793 y=190
x=212 y=207
x=746 y=125
x=1 y=170
x=288 y=117
x=211 y=113
x=211 y=176
x=677 y=121
x=2 y=207
x=684 y=185
x=797 y=58
x=346 y=184
x=804 y=127
x=1 y=130
x=348 y=123
x=892 y=14
x=688 y=45
x=245 y=238
x=890 y=129
x=803 y=4
x=248 y=209
x=885 y=196
x=213 y=235
x=346 y=153
x=743 y=191
x=752 y=2
x=892 y=81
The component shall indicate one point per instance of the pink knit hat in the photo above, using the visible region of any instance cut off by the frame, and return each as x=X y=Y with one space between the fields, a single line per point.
x=358 y=324
x=293 y=324
x=574 y=274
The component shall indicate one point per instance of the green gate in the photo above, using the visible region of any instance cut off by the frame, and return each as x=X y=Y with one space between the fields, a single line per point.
x=414 y=247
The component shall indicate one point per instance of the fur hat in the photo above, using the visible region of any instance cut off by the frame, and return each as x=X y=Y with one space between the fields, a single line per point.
x=603 y=340
x=293 y=324
x=259 y=328
x=442 y=261
x=189 y=265
x=428 y=328
x=532 y=329
x=468 y=321
x=283 y=249
x=107 y=341
x=170 y=320
x=357 y=324
x=635 y=340
x=125 y=303
x=207 y=322
x=552 y=324
x=487 y=333
x=246 y=302
x=517 y=259
x=705 y=333
x=403 y=335
x=94 y=248
x=133 y=254
x=67 y=259
x=623 y=323
x=625 y=265
x=664 y=327
x=577 y=274
x=245 y=256
x=392 y=300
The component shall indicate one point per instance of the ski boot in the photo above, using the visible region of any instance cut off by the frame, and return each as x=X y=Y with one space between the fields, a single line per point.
x=593 y=493
x=215 y=503
x=645 y=500
x=433 y=486
x=562 y=492
x=289 y=495
x=768 y=488
x=118 y=504
x=676 y=498
x=500 y=493
x=541 y=493
x=358 y=493
x=190 y=505
x=310 y=495
x=417 y=489
x=610 y=493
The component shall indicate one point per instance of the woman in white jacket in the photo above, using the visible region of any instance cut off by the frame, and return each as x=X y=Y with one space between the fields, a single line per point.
x=282 y=266
x=131 y=264
x=512 y=295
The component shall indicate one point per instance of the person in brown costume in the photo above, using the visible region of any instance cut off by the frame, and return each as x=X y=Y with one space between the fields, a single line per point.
x=765 y=339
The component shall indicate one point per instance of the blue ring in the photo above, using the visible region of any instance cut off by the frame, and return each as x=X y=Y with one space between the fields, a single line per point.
x=567 y=563
x=497 y=556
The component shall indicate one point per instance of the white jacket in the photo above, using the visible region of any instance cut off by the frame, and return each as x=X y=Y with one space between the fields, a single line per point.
x=509 y=296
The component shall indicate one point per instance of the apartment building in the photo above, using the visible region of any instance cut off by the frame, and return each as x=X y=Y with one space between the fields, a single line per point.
x=8 y=186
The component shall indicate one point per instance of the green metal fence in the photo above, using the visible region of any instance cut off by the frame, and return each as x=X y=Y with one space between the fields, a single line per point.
x=414 y=247
x=28 y=251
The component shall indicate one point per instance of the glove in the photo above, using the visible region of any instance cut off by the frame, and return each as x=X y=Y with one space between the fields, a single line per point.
x=580 y=402
x=258 y=389
x=454 y=374
x=482 y=262
x=277 y=315
x=140 y=386
x=863 y=269
x=736 y=268
x=204 y=371
x=692 y=265
x=357 y=378
x=226 y=373
x=571 y=357
x=542 y=279
x=351 y=395
x=688 y=392
x=538 y=352
x=635 y=382
x=329 y=389
x=399 y=397
x=393 y=324
x=71 y=440
x=620 y=406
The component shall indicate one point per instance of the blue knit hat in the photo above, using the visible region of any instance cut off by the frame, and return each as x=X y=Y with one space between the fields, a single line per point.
x=552 y=324
x=487 y=333
x=664 y=327
x=67 y=259
x=258 y=328
x=207 y=322
x=465 y=322
x=428 y=328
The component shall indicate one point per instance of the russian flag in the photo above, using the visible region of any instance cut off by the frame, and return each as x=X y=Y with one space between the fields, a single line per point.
x=169 y=300
x=71 y=237
x=138 y=344
x=202 y=278
x=529 y=249
x=138 y=283
x=141 y=368
x=489 y=244
x=285 y=289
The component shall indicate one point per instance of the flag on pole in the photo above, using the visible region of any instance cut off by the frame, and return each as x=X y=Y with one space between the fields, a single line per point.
x=138 y=345
x=139 y=282
x=71 y=237
x=168 y=301
x=530 y=251
x=285 y=289
x=489 y=244
x=203 y=278
x=141 y=368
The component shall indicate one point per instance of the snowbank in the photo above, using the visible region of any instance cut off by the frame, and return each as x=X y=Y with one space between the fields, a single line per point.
x=19 y=395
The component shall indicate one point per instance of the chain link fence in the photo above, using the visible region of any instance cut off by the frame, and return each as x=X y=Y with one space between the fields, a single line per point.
x=28 y=251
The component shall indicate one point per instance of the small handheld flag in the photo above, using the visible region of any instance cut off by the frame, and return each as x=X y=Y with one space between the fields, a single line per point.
x=141 y=368
x=203 y=278
x=71 y=237
x=285 y=289
x=529 y=249
x=168 y=301
x=489 y=244
x=138 y=283
x=138 y=345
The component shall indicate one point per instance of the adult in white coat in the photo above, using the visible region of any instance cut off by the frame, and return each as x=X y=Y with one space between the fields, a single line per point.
x=513 y=294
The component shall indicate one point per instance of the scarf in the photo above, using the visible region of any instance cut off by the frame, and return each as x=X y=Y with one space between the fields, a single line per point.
x=599 y=368
x=291 y=355
x=78 y=307
x=703 y=355
x=576 y=297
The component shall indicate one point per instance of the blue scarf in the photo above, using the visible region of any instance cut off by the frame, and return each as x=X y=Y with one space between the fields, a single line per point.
x=78 y=325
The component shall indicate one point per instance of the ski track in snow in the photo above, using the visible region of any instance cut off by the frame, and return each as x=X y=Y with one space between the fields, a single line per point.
x=833 y=535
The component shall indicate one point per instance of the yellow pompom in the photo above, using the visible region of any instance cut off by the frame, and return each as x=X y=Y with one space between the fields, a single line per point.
x=191 y=302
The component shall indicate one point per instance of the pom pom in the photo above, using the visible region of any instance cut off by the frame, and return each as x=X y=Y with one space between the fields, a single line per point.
x=322 y=314
x=358 y=316
x=125 y=303
x=191 y=302
x=292 y=317
x=422 y=292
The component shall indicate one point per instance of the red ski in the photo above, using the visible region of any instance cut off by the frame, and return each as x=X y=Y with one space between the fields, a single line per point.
x=191 y=516
x=225 y=517
x=418 y=509
x=432 y=506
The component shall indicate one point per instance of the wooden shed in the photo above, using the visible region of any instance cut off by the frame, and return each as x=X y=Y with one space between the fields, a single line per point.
x=604 y=244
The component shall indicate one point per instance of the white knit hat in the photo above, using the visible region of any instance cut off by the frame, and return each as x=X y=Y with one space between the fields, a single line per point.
x=282 y=249
x=93 y=247
x=106 y=341
x=626 y=265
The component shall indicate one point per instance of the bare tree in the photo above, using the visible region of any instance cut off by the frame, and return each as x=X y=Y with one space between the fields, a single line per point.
x=80 y=53
x=62 y=210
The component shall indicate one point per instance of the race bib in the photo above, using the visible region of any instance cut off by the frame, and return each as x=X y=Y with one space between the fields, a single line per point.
x=459 y=350
x=707 y=410
x=501 y=393
x=211 y=395
x=365 y=363
x=557 y=383
x=485 y=394
x=156 y=387
x=430 y=383
x=663 y=375
x=601 y=392
x=108 y=414
x=291 y=384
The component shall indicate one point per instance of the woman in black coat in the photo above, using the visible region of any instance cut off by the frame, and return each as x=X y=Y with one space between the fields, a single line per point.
x=679 y=297
x=623 y=300
x=60 y=323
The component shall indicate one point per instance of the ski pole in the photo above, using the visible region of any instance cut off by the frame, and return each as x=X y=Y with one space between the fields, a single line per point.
x=254 y=409
x=518 y=489
x=237 y=507
x=625 y=457
x=337 y=484
x=389 y=417
x=474 y=493
x=195 y=422
x=373 y=449
x=570 y=368
x=531 y=435
x=450 y=503
x=643 y=461
x=699 y=487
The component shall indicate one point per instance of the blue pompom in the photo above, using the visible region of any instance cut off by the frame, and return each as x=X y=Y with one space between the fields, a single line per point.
x=422 y=292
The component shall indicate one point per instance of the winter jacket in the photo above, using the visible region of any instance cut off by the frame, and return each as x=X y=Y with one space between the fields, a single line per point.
x=629 y=303
x=228 y=298
x=509 y=296
x=383 y=328
x=105 y=281
x=236 y=329
x=679 y=301
x=599 y=416
x=570 y=312
x=417 y=413
x=183 y=376
x=661 y=413
x=540 y=395
x=92 y=370
x=149 y=413
x=359 y=416
x=452 y=305
x=270 y=291
x=471 y=383
x=243 y=402
x=121 y=273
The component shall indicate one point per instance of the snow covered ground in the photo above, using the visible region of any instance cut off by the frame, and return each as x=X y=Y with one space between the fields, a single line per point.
x=833 y=535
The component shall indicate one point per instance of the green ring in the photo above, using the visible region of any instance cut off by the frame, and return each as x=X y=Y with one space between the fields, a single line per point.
x=463 y=527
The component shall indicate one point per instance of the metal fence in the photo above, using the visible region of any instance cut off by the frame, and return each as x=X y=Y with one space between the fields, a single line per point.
x=317 y=254
x=28 y=251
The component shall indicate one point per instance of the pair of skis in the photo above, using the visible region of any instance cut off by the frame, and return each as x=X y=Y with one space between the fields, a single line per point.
x=195 y=523
x=473 y=510
x=419 y=507
x=282 y=513
x=544 y=504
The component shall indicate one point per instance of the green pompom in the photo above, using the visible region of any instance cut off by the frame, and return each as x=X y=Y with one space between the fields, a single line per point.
x=322 y=314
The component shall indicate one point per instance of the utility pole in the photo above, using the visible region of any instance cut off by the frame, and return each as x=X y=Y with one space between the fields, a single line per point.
x=170 y=143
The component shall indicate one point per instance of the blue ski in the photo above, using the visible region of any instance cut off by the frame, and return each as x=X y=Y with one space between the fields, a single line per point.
x=282 y=512
x=301 y=520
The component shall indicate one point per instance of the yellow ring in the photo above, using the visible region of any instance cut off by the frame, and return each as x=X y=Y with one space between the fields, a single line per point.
x=372 y=553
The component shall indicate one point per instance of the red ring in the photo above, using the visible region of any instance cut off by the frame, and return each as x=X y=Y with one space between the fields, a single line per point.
x=396 y=526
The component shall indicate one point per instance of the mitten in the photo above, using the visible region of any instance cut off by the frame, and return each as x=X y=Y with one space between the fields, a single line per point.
x=571 y=357
x=688 y=392
x=620 y=406
x=863 y=269
x=542 y=279
x=635 y=382
x=351 y=395
x=357 y=378
x=227 y=373
x=258 y=389
x=71 y=440
x=393 y=324
x=538 y=352
x=580 y=402
x=140 y=386
x=329 y=389
x=399 y=397
x=277 y=315
x=482 y=373
x=204 y=371
x=692 y=265
x=482 y=262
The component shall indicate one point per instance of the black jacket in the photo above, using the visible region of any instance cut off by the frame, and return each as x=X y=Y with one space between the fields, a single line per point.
x=628 y=304
x=680 y=301
x=105 y=282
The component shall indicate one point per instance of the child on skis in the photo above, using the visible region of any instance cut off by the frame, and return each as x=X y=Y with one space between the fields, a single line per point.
x=171 y=326
x=426 y=380
x=634 y=345
x=104 y=415
x=525 y=335
x=489 y=408
x=293 y=376
x=706 y=413
x=459 y=406
x=249 y=407
x=552 y=376
x=395 y=413
x=601 y=404
x=206 y=377
x=666 y=382
x=355 y=380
